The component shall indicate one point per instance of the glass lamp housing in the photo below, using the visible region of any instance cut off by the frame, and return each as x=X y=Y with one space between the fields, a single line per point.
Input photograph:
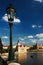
x=10 y=13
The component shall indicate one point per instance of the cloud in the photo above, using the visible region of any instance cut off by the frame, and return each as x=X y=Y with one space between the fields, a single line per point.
x=36 y=26
x=41 y=39
x=30 y=36
x=5 y=17
x=25 y=37
x=3 y=42
x=34 y=41
x=22 y=42
x=21 y=38
x=5 y=37
x=37 y=38
x=39 y=26
x=39 y=35
x=16 y=20
x=39 y=1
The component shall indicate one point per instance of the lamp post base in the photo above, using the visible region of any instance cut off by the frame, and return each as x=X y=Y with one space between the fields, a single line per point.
x=11 y=55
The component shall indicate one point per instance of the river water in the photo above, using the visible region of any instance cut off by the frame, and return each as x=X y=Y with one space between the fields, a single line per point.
x=32 y=58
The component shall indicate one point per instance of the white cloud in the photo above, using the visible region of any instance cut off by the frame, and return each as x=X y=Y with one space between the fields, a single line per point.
x=23 y=42
x=21 y=38
x=34 y=41
x=25 y=37
x=39 y=35
x=30 y=36
x=16 y=20
x=36 y=26
x=41 y=39
x=39 y=1
x=39 y=26
x=4 y=37
x=5 y=17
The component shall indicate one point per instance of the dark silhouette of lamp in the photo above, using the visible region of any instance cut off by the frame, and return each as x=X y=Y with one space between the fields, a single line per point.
x=10 y=14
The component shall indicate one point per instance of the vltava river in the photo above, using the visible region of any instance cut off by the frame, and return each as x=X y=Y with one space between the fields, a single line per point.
x=30 y=58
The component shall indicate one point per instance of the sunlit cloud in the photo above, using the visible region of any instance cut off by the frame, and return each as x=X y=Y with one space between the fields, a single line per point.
x=36 y=26
x=39 y=1
x=22 y=42
x=25 y=37
x=30 y=36
x=20 y=38
x=16 y=20
x=41 y=39
x=37 y=38
x=39 y=35
x=39 y=26
x=34 y=41
x=5 y=37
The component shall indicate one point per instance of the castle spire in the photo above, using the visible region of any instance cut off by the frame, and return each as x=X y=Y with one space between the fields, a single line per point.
x=18 y=41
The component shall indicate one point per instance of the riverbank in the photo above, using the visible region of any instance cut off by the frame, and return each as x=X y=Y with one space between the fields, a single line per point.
x=36 y=50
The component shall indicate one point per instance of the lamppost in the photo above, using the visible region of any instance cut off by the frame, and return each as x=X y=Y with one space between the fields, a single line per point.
x=10 y=14
x=1 y=46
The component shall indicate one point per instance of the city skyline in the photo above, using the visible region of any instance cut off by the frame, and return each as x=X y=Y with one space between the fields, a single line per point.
x=27 y=24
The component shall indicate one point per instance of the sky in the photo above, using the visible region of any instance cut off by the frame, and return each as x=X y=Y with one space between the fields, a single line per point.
x=27 y=24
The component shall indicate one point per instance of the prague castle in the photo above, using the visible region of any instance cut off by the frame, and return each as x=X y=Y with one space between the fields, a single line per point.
x=19 y=47
x=22 y=48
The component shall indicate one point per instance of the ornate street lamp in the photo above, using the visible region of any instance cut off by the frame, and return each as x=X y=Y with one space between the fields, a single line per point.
x=10 y=14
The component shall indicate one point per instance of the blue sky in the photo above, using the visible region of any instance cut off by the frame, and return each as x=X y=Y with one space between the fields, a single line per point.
x=28 y=22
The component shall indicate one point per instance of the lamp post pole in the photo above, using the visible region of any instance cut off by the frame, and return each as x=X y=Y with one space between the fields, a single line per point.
x=11 y=51
x=10 y=14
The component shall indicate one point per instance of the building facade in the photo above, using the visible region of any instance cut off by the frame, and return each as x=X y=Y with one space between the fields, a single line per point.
x=22 y=48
